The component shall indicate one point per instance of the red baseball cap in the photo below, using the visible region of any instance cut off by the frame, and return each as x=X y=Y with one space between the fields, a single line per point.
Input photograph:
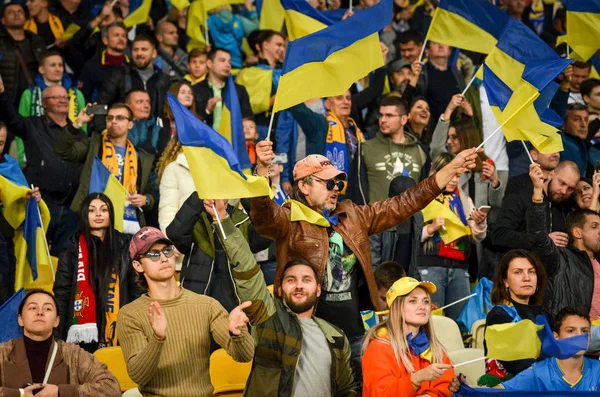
x=317 y=165
x=144 y=239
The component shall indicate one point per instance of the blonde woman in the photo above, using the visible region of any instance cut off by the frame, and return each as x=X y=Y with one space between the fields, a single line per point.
x=402 y=356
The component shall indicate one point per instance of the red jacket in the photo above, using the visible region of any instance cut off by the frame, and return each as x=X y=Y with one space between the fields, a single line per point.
x=384 y=377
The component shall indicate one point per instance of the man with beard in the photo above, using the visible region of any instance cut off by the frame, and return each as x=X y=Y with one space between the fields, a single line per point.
x=573 y=270
x=315 y=358
x=548 y=163
x=335 y=238
x=139 y=75
x=510 y=231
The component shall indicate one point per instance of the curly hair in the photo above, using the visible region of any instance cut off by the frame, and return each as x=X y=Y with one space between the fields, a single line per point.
x=168 y=156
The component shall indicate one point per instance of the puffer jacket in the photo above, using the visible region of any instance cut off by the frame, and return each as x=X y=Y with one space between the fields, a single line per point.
x=65 y=285
x=302 y=240
x=277 y=331
x=570 y=271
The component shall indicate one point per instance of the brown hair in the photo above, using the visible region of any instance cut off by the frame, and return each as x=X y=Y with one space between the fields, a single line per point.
x=388 y=273
x=168 y=156
x=174 y=90
x=501 y=294
x=196 y=53
x=468 y=137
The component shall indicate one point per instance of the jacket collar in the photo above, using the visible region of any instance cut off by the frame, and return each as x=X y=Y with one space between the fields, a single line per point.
x=182 y=161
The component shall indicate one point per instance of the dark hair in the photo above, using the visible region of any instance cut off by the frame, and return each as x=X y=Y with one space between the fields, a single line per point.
x=213 y=53
x=582 y=65
x=3 y=125
x=499 y=292
x=410 y=35
x=38 y=291
x=13 y=4
x=134 y=91
x=567 y=312
x=103 y=255
x=577 y=218
x=196 y=53
x=388 y=273
x=115 y=24
x=47 y=54
x=297 y=262
x=391 y=100
x=297 y=193
x=252 y=39
x=586 y=87
x=468 y=137
x=265 y=36
x=119 y=105
x=174 y=90
x=144 y=37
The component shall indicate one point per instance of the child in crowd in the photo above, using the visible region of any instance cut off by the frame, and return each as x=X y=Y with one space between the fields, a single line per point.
x=196 y=66
x=251 y=136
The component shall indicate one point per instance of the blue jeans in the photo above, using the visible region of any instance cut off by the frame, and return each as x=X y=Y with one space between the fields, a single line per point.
x=452 y=284
x=355 y=354
x=63 y=223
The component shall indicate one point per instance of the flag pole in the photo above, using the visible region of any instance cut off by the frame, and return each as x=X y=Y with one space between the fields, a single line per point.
x=270 y=126
x=422 y=50
x=45 y=241
x=206 y=29
x=469 y=362
x=350 y=6
x=458 y=301
x=470 y=83
x=219 y=221
x=527 y=151
x=568 y=51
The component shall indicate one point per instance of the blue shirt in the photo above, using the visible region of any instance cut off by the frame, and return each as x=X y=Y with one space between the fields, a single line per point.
x=547 y=375
x=121 y=153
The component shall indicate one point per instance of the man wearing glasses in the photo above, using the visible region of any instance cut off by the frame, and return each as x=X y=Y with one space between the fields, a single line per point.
x=130 y=165
x=335 y=237
x=166 y=333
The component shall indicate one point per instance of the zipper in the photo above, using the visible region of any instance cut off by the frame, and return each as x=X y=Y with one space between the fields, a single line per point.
x=360 y=187
x=188 y=263
x=229 y=266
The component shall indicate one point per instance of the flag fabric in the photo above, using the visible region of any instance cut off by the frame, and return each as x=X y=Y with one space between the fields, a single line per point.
x=302 y=19
x=231 y=126
x=327 y=62
x=196 y=19
x=271 y=14
x=102 y=181
x=138 y=16
x=560 y=348
x=518 y=78
x=180 y=4
x=473 y=25
x=215 y=168
x=467 y=391
x=455 y=229
x=33 y=269
x=212 y=4
x=70 y=32
x=583 y=27
x=300 y=212
x=9 y=312
x=258 y=82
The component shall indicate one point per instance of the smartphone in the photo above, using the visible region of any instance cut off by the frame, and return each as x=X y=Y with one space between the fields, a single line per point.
x=490 y=162
x=280 y=158
x=485 y=209
x=97 y=109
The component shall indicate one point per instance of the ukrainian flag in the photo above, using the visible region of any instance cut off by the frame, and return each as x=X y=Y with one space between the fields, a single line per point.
x=196 y=19
x=9 y=313
x=271 y=14
x=518 y=77
x=34 y=269
x=302 y=19
x=473 y=25
x=259 y=83
x=180 y=4
x=231 y=126
x=214 y=165
x=583 y=27
x=138 y=16
x=327 y=62
x=102 y=181
x=454 y=228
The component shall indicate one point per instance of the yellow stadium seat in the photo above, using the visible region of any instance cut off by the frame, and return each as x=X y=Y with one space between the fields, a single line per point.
x=447 y=332
x=227 y=376
x=478 y=332
x=114 y=360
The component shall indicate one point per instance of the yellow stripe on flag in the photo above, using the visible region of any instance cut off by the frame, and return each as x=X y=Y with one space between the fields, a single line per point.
x=117 y=194
x=300 y=25
x=225 y=123
x=70 y=32
x=583 y=31
x=513 y=341
x=140 y=15
x=196 y=19
x=300 y=212
x=271 y=15
x=258 y=83
x=180 y=4
x=455 y=229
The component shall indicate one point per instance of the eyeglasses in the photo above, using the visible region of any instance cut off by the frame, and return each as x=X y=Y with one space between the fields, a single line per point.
x=330 y=184
x=154 y=255
x=59 y=97
x=117 y=118
x=452 y=137
x=387 y=115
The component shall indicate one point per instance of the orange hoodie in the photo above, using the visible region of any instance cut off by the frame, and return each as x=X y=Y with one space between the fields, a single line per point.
x=384 y=377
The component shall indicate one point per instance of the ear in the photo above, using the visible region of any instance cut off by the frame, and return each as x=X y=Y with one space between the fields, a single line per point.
x=209 y=63
x=303 y=188
x=577 y=234
x=56 y=322
x=20 y=321
x=138 y=266
x=279 y=291
x=318 y=290
x=404 y=120
x=551 y=174
x=505 y=284
x=104 y=39
x=40 y=69
x=534 y=155
x=130 y=125
x=154 y=53
x=555 y=335
x=327 y=103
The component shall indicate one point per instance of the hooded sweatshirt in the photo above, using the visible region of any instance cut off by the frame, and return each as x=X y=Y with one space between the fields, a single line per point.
x=385 y=160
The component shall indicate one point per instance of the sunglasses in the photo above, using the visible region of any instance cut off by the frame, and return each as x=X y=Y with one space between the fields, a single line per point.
x=330 y=184
x=154 y=255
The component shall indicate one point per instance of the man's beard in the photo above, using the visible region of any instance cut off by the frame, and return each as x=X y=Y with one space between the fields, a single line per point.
x=310 y=302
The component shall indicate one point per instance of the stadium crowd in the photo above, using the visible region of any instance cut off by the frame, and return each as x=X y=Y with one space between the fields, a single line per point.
x=181 y=276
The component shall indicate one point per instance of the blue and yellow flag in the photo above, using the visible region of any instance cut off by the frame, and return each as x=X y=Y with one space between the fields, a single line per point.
x=9 y=312
x=259 y=83
x=454 y=227
x=271 y=14
x=30 y=220
x=583 y=27
x=214 y=165
x=138 y=16
x=473 y=25
x=327 y=62
x=231 y=126
x=195 y=20
x=302 y=19
x=102 y=181
x=518 y=78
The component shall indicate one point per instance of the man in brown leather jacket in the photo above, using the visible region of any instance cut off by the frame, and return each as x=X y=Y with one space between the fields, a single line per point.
x=335 y=237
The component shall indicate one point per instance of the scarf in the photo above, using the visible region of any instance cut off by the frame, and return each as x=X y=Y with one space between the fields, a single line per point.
x=189 y=78
x=36 y=108
x=110 y=161
x=420 y=345
x=340 y=144
x=113 y=60
x=56 y=26
x=84 y=328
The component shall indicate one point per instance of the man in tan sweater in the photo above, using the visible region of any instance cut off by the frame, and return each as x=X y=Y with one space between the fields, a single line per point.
x=165 y=334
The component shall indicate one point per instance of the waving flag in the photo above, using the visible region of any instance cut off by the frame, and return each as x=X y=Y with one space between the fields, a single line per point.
x=327 y=62
x=474 y=25
x=138 y=16
x=214 y=165
x=34 y=269
x=455 y=228
x=195 y=20
x=231 y=126
x=102 y=181
x=9 y=312
x=271 y=14
x=583 y=27
x=302 y=19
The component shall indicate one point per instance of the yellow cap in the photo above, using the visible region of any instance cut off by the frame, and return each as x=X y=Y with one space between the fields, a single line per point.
x=405 y=286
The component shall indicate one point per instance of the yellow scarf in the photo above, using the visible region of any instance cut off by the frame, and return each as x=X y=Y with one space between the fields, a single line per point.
x=55 y=25
x=112 y=310
x=337 y=132
x=110 y=161
x=188 y=77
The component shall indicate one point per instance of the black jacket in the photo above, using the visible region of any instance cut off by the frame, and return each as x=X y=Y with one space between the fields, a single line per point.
x=203 y=92
x=57 y=179
x=10 y=68
x=93 y=75
x=123 y=80
x=205 y=268
x=510 y=229
x=65 y=285
x=570 y=271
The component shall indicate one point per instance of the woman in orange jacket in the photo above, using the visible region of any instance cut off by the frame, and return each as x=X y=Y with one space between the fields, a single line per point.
x=402 y=356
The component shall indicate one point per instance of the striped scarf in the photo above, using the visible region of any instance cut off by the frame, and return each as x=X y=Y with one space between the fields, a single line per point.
x=130 y=168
